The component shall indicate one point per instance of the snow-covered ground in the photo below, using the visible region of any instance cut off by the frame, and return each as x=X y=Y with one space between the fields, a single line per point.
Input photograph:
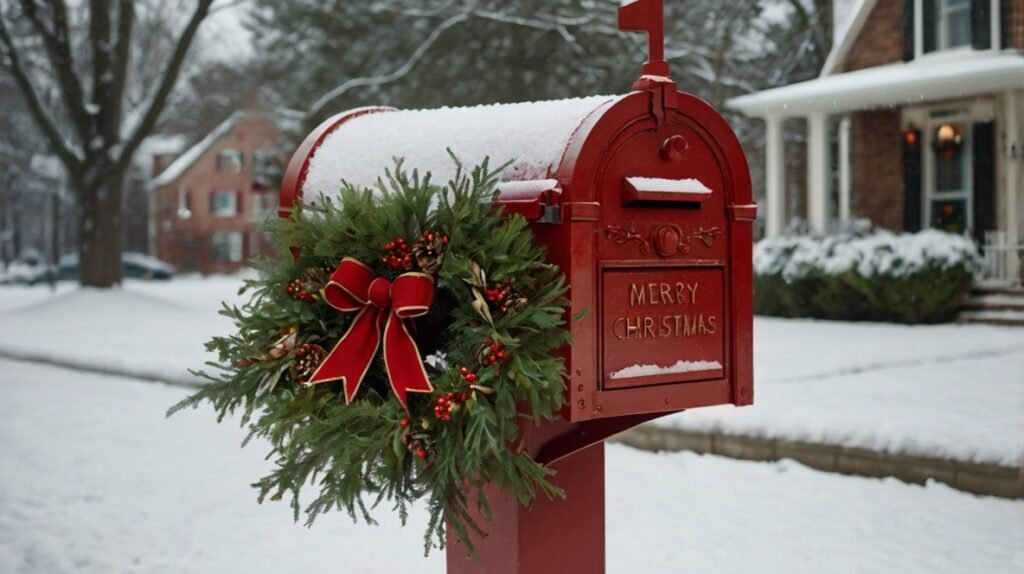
x=952 y=391
x=95 y=480
x=153 y=329
x=948 y=390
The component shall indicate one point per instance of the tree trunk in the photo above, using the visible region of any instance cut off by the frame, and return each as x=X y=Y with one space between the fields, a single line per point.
x=99 y=246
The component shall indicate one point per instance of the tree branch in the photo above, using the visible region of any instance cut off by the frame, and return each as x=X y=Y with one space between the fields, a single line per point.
x=114 y=103
x=71 y=158
x=398 y=74
x=102 y=75
x=167 y=82
x=58 y=50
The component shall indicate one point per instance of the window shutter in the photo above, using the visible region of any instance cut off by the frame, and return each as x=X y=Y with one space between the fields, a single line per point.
x=188 y=199
x=212 y=202
x=238 y=202
x=929 y=25
x=1006 y=35
x=908 y=30
x=983 y=184
x=912 y=180
x=981 y=24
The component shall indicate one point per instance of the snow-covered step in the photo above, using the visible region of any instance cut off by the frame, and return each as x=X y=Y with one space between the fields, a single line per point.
x=995 y=303
x=1005 y=317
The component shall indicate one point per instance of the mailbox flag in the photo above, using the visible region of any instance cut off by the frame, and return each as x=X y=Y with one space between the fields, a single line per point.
x=639 y=15
x=647 y=16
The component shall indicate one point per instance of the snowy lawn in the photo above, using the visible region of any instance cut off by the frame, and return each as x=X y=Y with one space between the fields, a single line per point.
x=95 y=480
x=147 y=328
x=947 y=390
x=951 y=391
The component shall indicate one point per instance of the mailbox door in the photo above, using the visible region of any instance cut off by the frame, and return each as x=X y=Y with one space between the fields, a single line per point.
x=670 y=274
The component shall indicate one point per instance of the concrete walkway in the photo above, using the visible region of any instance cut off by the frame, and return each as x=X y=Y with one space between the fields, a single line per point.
x=977 y=478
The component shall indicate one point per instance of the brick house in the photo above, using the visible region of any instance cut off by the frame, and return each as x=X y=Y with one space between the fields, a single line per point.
x=208 y=206
x=916 y=120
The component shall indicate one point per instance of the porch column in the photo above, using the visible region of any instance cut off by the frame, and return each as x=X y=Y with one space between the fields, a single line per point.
x=817 y=171
x=1011 y=186
x=845 y=172
x=775 y=177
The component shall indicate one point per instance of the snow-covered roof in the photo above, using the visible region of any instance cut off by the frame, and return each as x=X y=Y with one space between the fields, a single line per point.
x=849 y=17
x=937 y=77
x=157 y=145
x=532 y=135
x=185 y=160
x=284 y=119
x=162 y=144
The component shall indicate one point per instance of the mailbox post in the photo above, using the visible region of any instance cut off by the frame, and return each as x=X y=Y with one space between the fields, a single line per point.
x=644 y=202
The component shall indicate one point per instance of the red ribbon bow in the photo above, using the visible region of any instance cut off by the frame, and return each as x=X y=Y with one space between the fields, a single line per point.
x=382 y=306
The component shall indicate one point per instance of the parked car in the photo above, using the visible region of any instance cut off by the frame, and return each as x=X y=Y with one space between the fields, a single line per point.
x=29 y=268
x=133 y=265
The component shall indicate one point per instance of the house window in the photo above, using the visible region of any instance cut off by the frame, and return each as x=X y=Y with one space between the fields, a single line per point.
x=229 y=161
x=184 y=203
x=266 y=168
x=264 y=204
x=940 y=25
x=224 y=204
x=227 y=246
x=949 y=206
x=954 y=21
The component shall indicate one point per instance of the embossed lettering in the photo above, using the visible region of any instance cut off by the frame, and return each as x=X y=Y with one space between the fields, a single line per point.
x=637 y=295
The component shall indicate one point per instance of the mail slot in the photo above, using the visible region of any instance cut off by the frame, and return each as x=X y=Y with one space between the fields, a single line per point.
x=642 y=199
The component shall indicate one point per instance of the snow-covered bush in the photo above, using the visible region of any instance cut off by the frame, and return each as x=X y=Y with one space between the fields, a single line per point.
x=864 y=274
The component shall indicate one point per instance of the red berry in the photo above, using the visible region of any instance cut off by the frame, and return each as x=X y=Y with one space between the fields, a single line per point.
x=471 y=377
x=420 y=453
x=403 y=422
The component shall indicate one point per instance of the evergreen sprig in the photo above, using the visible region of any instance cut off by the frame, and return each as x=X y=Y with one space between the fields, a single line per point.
x=355 y=456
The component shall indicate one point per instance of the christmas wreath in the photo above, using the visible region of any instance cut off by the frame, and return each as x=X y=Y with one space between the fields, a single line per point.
x=393 y=349
x=947 y=141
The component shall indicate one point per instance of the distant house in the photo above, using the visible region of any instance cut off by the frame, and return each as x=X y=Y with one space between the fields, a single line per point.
x=208 y=206
x=917 y=120
x=153 y=156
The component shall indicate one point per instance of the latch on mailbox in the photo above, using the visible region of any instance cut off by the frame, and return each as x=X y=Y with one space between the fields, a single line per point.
x=537 y=200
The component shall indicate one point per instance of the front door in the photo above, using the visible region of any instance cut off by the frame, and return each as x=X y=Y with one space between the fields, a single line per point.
x=949 y=202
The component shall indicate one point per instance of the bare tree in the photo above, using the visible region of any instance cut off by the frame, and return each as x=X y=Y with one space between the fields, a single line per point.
x=83 y=54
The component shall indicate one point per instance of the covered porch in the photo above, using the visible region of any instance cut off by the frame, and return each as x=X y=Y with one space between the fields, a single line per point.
x=883 y=125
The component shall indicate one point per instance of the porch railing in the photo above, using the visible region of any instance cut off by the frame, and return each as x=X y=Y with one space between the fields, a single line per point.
x=1002 y=260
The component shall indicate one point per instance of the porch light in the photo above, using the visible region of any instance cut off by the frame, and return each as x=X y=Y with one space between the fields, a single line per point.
x=948 y=134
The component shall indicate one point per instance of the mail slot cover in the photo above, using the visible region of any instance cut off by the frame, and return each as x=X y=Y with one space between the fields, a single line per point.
x=662 y=325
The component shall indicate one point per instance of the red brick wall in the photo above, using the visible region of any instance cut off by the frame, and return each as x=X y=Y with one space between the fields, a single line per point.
x=877 y=157
x=881 y=38
x=1017 y=23
x=188 y=243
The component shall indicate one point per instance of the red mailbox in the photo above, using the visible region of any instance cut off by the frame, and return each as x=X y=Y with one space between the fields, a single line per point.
x=644 y=201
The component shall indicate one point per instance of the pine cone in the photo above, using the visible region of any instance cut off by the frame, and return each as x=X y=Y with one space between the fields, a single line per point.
x=315 y=279
x=429 y=252
x=514 y=303
x=309 y=357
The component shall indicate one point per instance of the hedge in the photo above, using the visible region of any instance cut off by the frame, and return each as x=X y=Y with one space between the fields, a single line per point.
x=864 y=275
